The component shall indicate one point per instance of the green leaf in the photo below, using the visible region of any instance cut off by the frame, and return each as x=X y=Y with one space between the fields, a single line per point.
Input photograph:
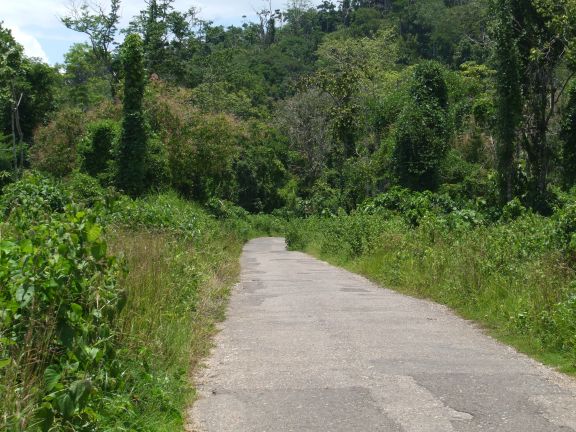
x=94 y=233
x=66 y=404
x=24 y=295
x=5 y=362
x=92 y=353
x=76 y=309
x=26 y=246
x=45 y=416
x=6 y=246
x=52 y=376
x=98 y=250
x=81 y=389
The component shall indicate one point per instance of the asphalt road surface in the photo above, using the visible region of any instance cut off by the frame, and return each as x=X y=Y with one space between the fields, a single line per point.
x=310 y=347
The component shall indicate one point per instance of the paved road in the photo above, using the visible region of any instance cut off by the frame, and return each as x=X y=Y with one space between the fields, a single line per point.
x=309 y=347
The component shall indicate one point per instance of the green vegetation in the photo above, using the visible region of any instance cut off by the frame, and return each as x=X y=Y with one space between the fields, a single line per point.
x=133 y=140
x=429 y=145
x=90 y=340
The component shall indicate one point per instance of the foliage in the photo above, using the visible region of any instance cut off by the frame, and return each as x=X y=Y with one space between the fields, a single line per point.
x=98 y=147
x=100 y=26
x=56 y=144
x=568 y=134
x=57 y=312
x=422 y=130
x=85 y=82
x=132 y=151
x=85 y=347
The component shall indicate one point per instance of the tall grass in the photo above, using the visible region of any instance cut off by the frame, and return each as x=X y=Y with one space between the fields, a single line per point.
x=180 y=274
x=87 y=346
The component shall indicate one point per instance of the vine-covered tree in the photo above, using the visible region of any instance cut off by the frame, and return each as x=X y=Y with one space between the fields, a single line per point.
x=422 y=131
x=544 y=34
x=509 y=98
x=568 y=135
x=132 y=154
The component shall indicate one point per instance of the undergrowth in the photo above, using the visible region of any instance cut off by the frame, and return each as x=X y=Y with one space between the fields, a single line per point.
x=108 y=303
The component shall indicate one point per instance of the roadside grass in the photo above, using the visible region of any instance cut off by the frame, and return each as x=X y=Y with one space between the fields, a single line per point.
x=177 y=288
x=509 y=278
x=127 y=295
x=182 y=263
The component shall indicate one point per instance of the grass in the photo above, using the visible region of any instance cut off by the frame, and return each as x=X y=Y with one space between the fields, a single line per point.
x=177 y=290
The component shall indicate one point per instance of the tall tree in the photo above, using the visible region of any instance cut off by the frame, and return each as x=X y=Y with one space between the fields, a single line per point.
x=131 y=169
x=509 y=98
x=101 y=26
x=568 y=135
x=544 y=34
x=422 y=131
x=11 y=78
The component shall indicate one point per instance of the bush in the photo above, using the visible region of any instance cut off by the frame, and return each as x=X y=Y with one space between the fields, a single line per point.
x=98 y=147
x=58 y=300
x=156 y=165
x=86 y=190
x=31 y=200
x=55 y=145
x=223 y=209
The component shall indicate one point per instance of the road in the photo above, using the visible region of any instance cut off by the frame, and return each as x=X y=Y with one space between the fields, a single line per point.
x=310 y=347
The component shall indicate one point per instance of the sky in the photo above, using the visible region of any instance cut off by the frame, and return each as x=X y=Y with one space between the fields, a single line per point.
x=35 y=24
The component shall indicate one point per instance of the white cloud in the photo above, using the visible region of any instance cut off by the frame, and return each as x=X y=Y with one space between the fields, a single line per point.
x=32 y=48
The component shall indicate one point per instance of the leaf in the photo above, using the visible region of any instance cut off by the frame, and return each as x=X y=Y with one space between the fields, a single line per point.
x=26 y=246
x=98 y=250
x=5 y=362
x=94 y=233
x=81 y=389
x=92 y=353
x=45 y=415
x=66 y=404
x=24 y=295
x=76 y=310
x=52 y=376
x=6 y=246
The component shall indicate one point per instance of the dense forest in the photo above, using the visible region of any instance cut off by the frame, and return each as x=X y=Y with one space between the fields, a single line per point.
x=429 y=144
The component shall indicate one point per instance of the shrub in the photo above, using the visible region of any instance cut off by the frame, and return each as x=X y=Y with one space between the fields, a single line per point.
x=31 y=200
x=55 y=145
x=156 y=165
x=58 y=300
x=85 y=189
x=98 y=147
x=223 y=209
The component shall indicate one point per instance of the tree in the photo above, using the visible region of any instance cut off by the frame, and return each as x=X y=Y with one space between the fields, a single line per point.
x=509 y=108
x=168 y=37
x=27 y=95
x=544 y=35
x=132 y=154
x=305 y=120
x=327 y=16
x=422 y=131
x=85 y=84
x=568 y=135
x=100 y=26
x=11 y=79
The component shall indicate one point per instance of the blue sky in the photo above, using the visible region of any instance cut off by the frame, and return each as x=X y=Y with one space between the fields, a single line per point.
x=35 y=23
